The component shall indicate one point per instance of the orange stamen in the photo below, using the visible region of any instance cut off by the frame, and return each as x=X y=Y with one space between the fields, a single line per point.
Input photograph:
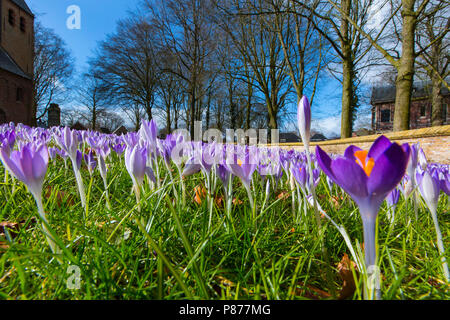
x=239 y=162
x=366 y=164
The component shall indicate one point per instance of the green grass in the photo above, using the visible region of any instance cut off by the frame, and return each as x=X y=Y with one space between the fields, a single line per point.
x=275 y=256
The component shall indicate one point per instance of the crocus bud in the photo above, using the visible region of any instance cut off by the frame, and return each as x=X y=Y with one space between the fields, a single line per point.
x=422 y=159
x=429 y=187
x=79 y=158
x=135 y=162
x=304 y=119
x=28 y=164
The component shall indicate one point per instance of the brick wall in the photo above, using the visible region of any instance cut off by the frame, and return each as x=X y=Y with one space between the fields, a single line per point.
x=416 y=119
x=19 y=44
x=15 y=111
x=435 y=142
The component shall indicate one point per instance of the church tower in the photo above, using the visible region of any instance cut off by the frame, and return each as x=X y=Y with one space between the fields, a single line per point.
x=16 y=61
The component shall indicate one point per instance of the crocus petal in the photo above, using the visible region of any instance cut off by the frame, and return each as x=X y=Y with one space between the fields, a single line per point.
x=304 y=119
x=150 y=174
x=26 y=162
x=39 y=163
x=10 y=162
x=351 y=177
x=388 y=171
x=350 y=152
x=324 y=162
x=378 y=147
x=429 y=188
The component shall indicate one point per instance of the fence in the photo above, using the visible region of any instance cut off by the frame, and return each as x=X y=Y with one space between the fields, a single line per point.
x=435 y=142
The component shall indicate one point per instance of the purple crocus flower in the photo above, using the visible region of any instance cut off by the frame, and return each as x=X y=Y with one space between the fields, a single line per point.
x=304 y=120
x=191 y=167
x=149 y=130
x=91 y=163
x=79 y=159
x=444 y=178
x=29 y=165
x=392 y=200
x=7 y=140
x=119 y=148
x=136 y=163
x=243 y=165
x=69 y=141
x=368 y=177
x=429 y=186
x=299 y=172
x=224 y=174
x=393 y=197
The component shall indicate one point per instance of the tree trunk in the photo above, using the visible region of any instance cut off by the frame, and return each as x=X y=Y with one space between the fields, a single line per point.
x=348 y=73
x=347 y=99
x=192 y=106
x=436 y=98
x=436 y=102
x=405 y=74
x=168 y=120
x=94 y=117
x=271 y=115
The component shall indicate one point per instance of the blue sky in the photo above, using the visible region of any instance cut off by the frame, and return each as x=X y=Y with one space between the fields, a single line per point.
x=99 y=18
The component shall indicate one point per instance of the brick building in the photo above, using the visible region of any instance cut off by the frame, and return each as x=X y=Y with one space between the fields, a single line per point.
x=16 y=61
x=383 y=102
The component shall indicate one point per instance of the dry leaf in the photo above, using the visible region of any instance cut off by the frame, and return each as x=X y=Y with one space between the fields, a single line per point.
x=335 y=202
x=311 y=292
x=13 y=228
x=3 y=246
x=237 y=201
x=219 y=201
x=60 y=196
x=345 y=272
x=200 y=194
x=283 y=195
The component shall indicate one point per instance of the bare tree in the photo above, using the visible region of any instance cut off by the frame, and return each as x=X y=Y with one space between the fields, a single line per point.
x=184 y=28
x=433 y=62
x=110 y=120
x=92 y=97
x=261 y=49
x=135 y=113
x=403 y=20
x=53 y=68
x=305 y=50
x=126 y=62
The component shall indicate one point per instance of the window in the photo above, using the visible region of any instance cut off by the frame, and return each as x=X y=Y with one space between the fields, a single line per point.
x=23 y=24
x=19 y=94
x=444 y=112
x=385 y=115
x=11 y=17
x=423 y=110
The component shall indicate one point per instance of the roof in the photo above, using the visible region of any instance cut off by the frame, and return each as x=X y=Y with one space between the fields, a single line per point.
x=6 y=63
x=387 y=94
x=288 y=137
x=23 y=5
x=318 y=137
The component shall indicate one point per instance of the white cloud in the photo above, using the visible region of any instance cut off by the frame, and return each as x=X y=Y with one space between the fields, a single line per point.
x=330 y=126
